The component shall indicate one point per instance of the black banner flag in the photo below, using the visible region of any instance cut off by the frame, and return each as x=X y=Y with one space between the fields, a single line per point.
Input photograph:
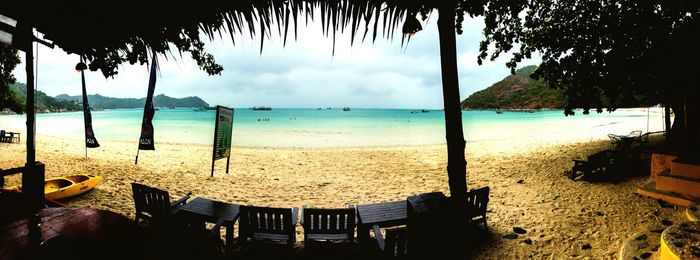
x=90 y=140
x=146 y=139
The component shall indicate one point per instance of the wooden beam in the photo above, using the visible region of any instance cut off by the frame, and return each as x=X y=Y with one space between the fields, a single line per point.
x=456 y=163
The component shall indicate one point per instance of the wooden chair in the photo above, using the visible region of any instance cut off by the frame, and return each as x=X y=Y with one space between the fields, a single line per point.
x=336 y=224
x=265 y=223
x=394 y=244
x=154 y=204
x=635 y=133
x=477 y=201
x=605 y=161
x=615 y=140
x=4 y=138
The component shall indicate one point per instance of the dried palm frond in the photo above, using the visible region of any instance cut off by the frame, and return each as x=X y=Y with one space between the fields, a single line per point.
x=108 y=35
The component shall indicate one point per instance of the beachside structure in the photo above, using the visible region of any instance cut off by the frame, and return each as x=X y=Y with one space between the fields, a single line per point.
x=148 y=32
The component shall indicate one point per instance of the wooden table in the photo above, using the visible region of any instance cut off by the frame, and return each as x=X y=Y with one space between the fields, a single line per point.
x=212 y=211
x=73 y=233
x=385 y=214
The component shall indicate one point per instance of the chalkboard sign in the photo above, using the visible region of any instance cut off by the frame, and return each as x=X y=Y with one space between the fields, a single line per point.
x=222 y=136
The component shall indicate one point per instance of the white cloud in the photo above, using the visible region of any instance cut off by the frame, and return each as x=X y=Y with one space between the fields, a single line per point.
x=305 y=73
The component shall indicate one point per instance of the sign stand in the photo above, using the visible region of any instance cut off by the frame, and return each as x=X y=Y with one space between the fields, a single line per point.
x=222 y=136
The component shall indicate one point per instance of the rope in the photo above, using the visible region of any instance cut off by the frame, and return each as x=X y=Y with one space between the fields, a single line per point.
x=647 y=120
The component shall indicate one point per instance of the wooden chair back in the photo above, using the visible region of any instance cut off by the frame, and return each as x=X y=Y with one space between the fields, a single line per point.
x=329 y=224
x=635 y=133
x=150 y=200
x=477 y=201
x=394 y=243
x=266 y=223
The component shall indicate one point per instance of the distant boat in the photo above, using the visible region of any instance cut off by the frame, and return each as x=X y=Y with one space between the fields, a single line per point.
x=262 y=108
x=319 y=108
x=424 y=111
x=499 y=112
x=346 y=109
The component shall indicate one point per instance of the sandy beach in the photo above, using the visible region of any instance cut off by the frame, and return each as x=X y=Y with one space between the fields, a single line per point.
x=558 y=214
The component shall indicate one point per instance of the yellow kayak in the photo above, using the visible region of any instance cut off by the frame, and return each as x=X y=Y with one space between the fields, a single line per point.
x=67 y=186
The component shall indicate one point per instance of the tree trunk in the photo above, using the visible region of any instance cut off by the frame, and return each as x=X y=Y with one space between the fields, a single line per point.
x=685 y=131
x=456 y=164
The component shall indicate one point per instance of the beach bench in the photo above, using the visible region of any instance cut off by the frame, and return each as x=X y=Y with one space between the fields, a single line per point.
x=394 y=243
x=477 y=201
x=154 y=204
x=337 y=224
x=596 y=165
x=268 y=224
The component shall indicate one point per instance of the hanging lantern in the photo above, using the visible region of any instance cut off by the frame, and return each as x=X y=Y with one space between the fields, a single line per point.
x=411 y=26
x=80 y=66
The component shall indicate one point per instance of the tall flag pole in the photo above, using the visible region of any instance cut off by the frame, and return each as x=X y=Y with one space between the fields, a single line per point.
x=146 y=139
x=90 y=140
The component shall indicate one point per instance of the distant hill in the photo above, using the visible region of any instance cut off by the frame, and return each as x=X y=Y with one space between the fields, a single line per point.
x=517 y=91
x=102 y=102
x=45 y=103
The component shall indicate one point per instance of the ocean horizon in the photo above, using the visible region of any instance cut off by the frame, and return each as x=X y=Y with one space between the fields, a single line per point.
x=322 y=127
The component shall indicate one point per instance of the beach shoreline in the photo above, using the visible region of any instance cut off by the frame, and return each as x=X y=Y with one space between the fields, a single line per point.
x=528 y=188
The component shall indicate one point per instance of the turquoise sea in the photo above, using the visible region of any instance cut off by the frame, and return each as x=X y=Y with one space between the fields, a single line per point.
x=334 y=127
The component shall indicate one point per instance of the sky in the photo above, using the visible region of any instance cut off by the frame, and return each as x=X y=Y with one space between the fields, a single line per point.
x=304 y=74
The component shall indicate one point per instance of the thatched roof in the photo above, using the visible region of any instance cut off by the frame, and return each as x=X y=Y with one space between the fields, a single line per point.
x=109 y=33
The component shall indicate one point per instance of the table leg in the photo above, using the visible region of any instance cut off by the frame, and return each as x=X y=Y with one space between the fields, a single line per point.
x=229 y=237
x=363 y=235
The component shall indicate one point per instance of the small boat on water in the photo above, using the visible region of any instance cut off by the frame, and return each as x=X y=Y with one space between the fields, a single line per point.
x=67 y=186
x=499 y=112
x=346 y=109
x=262 y=108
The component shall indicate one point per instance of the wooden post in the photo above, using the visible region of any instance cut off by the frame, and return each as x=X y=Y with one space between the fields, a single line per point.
x=456 y=163
x=33 y=175
x=667 y=126
x=31 y=121
x=216 y=135
x=228 y=160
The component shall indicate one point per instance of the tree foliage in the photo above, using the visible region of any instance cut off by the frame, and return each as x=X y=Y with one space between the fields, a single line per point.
x=595 y=50
x=8 y=61
x=43 y=102
x=517 y=91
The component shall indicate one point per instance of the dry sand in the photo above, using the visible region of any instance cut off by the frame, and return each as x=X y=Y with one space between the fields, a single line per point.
x=559 y=215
